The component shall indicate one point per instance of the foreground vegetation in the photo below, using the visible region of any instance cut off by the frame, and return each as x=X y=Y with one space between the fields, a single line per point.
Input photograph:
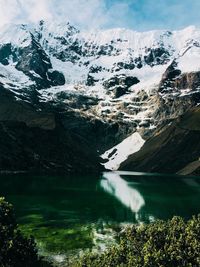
x=174 y=243
x=15 y=249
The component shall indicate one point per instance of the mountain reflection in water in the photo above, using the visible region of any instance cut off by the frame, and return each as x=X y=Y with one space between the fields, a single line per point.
x=150 y=196
x=120 y=189
x=64 y=213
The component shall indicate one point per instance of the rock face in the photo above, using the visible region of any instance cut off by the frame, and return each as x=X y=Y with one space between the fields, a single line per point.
x=171 y=148
x=56 y=77
x=36 y=64
x=173 y=79
x=90 y=90
x=120 y=84
x=5 y=52
x=39 y=141
x=32 y=60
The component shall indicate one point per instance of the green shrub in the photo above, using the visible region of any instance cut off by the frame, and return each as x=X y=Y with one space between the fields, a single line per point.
x=15 y=250
x=174 y=243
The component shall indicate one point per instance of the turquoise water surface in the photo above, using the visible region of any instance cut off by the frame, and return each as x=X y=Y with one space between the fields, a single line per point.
x=67 y=214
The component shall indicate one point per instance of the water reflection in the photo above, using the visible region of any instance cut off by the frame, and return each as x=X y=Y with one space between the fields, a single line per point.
x=82 y=212
x=192 y=182
x=153 y=196
x=120 y=189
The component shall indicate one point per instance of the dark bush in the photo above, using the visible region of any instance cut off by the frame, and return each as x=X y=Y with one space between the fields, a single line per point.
x=15 y=250
x=174 y=243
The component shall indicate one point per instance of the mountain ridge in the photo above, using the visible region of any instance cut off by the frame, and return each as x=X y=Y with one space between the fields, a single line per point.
x=118 y=81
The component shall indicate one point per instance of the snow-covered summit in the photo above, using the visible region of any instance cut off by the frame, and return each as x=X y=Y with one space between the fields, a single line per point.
x=124 y=70
x=62 y=40
x=15 y=34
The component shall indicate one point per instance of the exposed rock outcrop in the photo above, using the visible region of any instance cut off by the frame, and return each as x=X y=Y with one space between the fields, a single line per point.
x=5 y=52
x=120 y=84
x=35 y=140
x=171 y=148
x=36 y=64
x=94 y=88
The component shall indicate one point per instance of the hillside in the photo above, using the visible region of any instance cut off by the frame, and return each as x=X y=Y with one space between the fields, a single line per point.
x=88 y=92
x=176 y=148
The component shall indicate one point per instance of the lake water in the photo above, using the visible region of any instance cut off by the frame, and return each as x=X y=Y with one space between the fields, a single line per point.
x=67 y=214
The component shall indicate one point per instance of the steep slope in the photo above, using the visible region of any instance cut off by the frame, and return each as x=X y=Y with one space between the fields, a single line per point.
x=38 y=141
x=171 y=149
x=124 y=70
x=98 y=88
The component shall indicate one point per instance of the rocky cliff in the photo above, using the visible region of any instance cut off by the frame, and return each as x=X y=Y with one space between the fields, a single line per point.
x=68 y=96
x=172 y=149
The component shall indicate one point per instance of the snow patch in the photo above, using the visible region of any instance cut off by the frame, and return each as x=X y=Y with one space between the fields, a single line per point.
x=120 y=152
x=11 y=77
x=74 y=74
x=17 y=35
x=190 y=60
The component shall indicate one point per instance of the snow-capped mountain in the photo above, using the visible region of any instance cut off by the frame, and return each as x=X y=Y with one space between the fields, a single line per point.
x=135 y=81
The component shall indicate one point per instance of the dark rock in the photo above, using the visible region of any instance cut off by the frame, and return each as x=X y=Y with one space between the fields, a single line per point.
x=48 y=137
x=56 y=77
x=33 y=58
x=188 y=80
x=122 y=80
x=157 y=56
x=111 y=82
x=101 y=135
x=104 y=50
x=139 y=65
x=168 y=77
x=76 y=47
x=125 y=65
x=91 y=80
x=138 y=62
x=130 y=81
x=36 y=64
x=145 y=124
x=5 y=52
x=112 y=153
x=44 y=151
x=120 y=84
x=119 y=91
x=95 y=69
x=79 y=102
x=171 y=148
x=171 y=107
x=38 y=141
x=21 y=111
x=67 y=55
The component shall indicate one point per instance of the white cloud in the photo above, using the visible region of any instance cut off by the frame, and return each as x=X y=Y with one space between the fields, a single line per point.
x=87 y=13
x=8 y=14
x=35 y=10
x=137 y=14
x=121 y=15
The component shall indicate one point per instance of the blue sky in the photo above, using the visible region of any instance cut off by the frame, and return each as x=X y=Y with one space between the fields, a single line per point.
x=154 y=14
x=139 y=15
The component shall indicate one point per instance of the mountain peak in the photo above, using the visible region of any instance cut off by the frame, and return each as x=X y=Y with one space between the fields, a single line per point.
x=16 y=34
x=117 y=75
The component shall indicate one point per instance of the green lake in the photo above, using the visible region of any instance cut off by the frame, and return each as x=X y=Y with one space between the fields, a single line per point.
x=68 y=214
